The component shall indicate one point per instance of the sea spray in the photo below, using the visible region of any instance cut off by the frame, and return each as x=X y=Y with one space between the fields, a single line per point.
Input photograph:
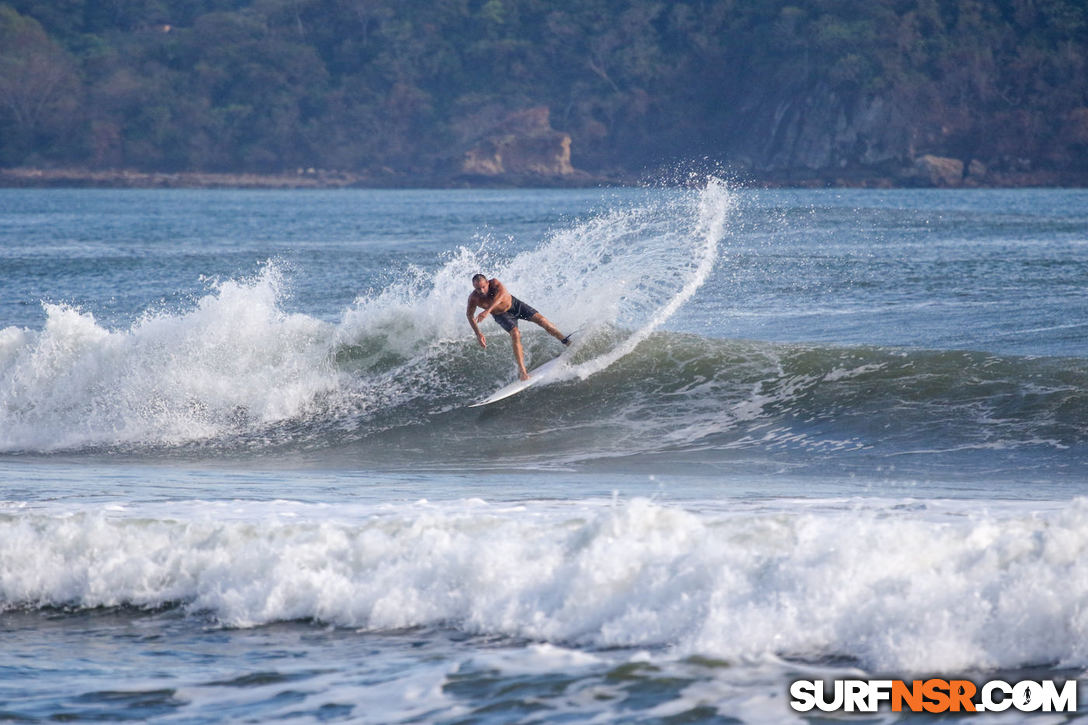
x=616 y=276
x=714 y=205
x=629 y=266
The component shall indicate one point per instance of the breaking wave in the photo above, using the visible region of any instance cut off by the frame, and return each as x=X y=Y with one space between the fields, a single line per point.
x=237 y=362
x=390 y=379
x=885 y=585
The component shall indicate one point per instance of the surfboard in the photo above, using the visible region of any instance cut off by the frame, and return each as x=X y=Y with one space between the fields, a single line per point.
x=539 y=375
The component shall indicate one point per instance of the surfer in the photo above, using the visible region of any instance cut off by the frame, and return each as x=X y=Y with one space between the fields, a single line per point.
x=505 y=309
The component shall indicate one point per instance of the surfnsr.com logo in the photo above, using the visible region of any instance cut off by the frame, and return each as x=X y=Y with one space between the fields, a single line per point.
x=933 y=695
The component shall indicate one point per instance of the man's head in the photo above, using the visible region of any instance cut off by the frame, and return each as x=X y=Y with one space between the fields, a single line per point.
x=480 y=283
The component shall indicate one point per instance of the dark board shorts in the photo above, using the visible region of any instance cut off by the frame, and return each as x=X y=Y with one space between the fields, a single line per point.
x=518 y=311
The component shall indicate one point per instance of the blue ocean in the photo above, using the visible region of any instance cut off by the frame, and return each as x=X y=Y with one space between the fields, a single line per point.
x=800 y=434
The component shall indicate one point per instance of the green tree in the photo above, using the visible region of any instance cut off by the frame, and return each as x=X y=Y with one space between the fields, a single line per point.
x=39 y=90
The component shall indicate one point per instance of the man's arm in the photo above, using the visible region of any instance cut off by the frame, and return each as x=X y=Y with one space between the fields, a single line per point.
x=472 y=320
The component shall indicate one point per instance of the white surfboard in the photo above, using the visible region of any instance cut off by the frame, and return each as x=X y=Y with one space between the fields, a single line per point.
x=545 y=372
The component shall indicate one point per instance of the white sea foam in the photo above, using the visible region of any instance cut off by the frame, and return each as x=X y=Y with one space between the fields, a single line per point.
x=233 y=360
x=898 y=589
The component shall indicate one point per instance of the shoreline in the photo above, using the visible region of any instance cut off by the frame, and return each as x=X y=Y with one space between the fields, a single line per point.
x=75 y=177
x=82 y=178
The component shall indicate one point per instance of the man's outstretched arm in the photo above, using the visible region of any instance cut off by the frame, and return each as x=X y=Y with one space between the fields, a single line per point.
x=472 y=322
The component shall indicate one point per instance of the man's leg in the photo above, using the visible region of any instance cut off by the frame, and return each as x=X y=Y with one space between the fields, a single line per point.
x=519 y=355
x=549 y=327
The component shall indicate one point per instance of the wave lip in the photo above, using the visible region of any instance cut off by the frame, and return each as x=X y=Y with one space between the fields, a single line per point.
x=894 y=589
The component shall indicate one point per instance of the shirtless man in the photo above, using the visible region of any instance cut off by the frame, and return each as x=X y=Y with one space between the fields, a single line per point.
x=492 y=297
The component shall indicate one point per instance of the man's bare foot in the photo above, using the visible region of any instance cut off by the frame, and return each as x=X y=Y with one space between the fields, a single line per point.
x=523 y=375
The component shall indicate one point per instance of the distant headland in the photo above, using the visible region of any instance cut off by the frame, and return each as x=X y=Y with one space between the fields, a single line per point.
x=387 y=93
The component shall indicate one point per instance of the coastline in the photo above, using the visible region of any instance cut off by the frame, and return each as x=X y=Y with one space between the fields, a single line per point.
x=77 y=177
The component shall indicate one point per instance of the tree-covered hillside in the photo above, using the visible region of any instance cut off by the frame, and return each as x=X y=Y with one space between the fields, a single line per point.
x=788 y=89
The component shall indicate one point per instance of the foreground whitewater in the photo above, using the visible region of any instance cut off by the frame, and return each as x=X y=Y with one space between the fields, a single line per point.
x=804 y=434
x=859 y=582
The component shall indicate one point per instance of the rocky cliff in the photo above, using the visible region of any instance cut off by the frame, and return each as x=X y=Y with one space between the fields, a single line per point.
x=818 y=136
x=516 y=146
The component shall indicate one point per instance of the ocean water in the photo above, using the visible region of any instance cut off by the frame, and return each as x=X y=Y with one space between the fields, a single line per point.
x=801 y=434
